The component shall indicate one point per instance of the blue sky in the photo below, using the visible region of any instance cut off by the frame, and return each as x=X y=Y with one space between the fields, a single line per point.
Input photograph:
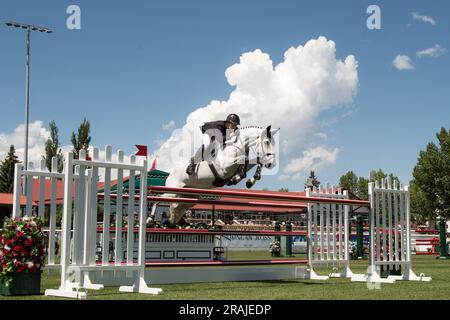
x=136 y=65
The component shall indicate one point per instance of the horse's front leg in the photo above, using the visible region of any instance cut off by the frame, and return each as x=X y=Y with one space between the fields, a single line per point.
x=257 y=176
x=241 y=174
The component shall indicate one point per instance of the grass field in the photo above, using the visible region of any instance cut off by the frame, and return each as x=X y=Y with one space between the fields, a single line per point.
x=334 y=289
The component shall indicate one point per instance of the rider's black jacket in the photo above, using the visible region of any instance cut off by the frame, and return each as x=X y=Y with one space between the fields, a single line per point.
x=215 y=125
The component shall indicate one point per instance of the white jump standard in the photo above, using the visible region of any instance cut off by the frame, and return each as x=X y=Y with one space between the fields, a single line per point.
x=75 y=272
x=390 y=234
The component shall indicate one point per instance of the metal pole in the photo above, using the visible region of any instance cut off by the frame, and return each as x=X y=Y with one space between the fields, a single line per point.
x=359 y=237
x=27 y=98
x=277 y=238
x=27 y=110
x=443 y=239
x=288 y=239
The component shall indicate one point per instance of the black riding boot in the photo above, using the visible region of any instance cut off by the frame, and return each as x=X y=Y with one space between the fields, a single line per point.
x=197 y=158
x=191 y=167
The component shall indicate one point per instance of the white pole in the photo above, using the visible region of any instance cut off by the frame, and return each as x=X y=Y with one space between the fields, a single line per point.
x=67 y=218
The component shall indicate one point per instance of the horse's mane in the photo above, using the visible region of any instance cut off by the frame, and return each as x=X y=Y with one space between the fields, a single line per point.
x=252 y=130
x=251 y=127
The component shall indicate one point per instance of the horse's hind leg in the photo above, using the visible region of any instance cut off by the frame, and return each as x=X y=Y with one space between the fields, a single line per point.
x=152 y=213
x=176 y=213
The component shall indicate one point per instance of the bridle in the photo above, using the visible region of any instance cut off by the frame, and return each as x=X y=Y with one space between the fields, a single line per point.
x=247 y=146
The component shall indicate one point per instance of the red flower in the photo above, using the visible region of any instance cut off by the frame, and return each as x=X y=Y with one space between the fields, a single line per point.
x=22 y=250
x=20 y=234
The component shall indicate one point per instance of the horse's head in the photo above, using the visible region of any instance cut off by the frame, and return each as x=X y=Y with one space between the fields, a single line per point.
x=266 y=148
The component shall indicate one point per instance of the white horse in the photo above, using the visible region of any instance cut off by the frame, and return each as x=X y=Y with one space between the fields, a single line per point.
x=228 y=166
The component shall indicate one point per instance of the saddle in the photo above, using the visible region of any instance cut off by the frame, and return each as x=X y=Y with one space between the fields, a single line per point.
x=219 y=181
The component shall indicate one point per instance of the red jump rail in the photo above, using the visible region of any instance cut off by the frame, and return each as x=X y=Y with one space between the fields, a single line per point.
x=253 y=195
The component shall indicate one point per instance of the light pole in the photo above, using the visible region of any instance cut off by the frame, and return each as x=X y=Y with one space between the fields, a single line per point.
x=29 y=28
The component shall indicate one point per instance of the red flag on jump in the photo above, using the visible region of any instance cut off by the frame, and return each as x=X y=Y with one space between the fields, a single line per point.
x=142 y=150
x=153 y=167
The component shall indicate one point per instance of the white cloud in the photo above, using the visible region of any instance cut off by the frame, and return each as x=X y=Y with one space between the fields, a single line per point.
x=169 y=126
x=428 y=19
x=159 y=140
x=312 y=159
x=290 y=95
x=37 y=136
x=321 y=135
x=402 y=62
x=435 y=51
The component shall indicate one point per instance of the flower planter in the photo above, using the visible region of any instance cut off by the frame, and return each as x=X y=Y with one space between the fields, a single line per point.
x=23 y=283
x=22 y=255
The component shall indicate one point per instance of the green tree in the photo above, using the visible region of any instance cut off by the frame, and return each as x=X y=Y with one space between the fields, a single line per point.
x=283 y=190
x=349 y=181
x=379 y=175
x=7 y=171
x=354 y=184
x=53 y=148
x=82 y=139
x=431 y=196
x=421 y=208
x=359 y=185
x=363 y=189
x=312 y=181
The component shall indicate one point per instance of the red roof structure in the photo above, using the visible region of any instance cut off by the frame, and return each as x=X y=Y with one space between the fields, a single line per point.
x=47 y=193
x=8 y=199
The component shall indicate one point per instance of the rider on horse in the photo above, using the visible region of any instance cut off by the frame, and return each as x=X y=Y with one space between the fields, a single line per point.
x=223 y=128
